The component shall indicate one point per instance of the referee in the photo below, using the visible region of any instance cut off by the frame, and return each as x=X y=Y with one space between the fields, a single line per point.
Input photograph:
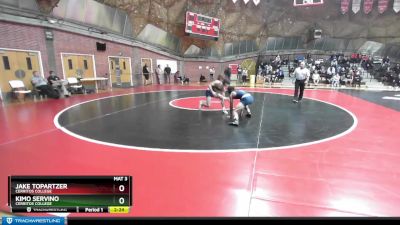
x=302 y=74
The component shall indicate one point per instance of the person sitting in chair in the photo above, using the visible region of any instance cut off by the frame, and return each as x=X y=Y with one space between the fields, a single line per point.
x=202 y=78
x=41 y=84
x=56 y=82
x=183 y=79
x=279 y=75
x=357 y=79
x=335 y=80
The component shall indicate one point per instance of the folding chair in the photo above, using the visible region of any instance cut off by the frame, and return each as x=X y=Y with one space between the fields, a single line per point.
x=18 y=88
x=75 y=85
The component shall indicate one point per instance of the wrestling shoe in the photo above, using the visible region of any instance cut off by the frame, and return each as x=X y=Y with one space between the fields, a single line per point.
x=248 y=115
x=225 y=112
x=295 y=101
x=234 y=123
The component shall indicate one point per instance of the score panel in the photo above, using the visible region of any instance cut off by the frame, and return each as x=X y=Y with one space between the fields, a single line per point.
x=86 y=194
x=202 y=26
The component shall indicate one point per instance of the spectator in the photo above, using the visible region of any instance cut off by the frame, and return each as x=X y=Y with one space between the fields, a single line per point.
x=357 y=79
x=342 y=74
x=277 y=60
x=334 y=62
x=240 y=73
x=269 y=69
x=158 y=74
x=291 y=71
x=227 y=73
x=318 y=66
x=386 y=60
x=167 y=74
x=348 y=80
x=396 y=69
x=335 y=80
x=183 y=79
x=202 y=78
x=244 y=75
x=56 y=82
x=259 y=71
x=396 y=81
x=146 y=74
x=279 y=75
x=330 y=72
x=264 y=69
x=316 y=78
x=212 y=72
x=41 y=84
x=387 y=77
x=370 y=66
x=177 y=77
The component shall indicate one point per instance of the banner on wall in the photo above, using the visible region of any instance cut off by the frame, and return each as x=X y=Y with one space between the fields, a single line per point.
x=234 y=71
x=396 y=6
x=368 y=6
x=344 y=6
x=382 y=5
x=234 y=68
x=356 y=6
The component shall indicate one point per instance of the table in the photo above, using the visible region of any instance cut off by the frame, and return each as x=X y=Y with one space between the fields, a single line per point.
x=96 y=79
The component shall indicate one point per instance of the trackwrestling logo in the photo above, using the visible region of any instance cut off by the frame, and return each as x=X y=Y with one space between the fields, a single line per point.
x=32 y=220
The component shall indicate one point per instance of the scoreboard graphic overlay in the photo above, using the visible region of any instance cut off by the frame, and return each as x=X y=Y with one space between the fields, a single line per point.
x=202 y=26
x=70 y=194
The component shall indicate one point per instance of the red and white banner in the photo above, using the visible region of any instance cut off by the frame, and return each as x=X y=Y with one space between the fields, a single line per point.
x=382 y=5
x=396 y=6
x=356 y=6
x=344 y=6
x=368 y=6
x=234 y=68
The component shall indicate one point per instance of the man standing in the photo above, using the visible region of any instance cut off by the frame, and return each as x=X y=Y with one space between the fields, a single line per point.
x=302 y=74
x=146 y=74
x=158 y=73
x=244 y=76
x=167 y=74
x=212 y=71
x=239 y=73
x=228 y=73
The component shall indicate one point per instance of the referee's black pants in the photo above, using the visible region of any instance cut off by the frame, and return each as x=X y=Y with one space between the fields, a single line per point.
x=299 y=84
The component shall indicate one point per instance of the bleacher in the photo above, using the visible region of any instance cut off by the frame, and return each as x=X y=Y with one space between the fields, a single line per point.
x=370 y=79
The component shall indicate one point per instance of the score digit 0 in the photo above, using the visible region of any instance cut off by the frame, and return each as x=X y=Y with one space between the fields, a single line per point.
x=121 y=200
x=121 y=188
